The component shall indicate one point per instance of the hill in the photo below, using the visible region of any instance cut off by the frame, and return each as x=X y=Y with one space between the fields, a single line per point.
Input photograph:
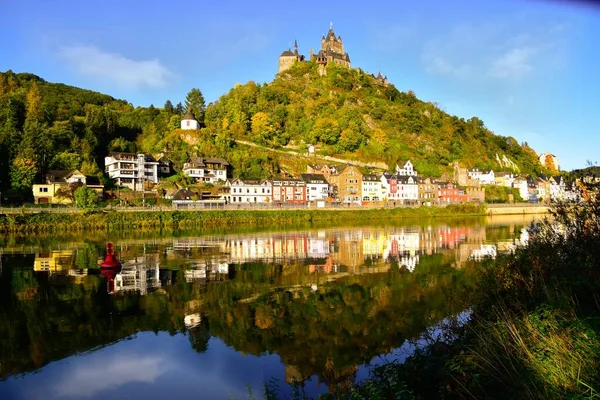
x=351 y=114
x=348 y=114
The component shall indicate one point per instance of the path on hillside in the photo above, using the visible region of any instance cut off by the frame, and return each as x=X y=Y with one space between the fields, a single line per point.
x=376 y=165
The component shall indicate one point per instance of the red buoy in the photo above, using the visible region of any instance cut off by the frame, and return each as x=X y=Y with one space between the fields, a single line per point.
x=110 y=261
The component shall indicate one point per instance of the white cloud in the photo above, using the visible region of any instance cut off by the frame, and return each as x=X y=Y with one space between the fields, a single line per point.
x=509 y=50
x=515 y=63
x=99 y=375
x=93 y=62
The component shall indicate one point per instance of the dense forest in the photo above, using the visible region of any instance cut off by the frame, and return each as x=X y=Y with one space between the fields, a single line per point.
x=346 y=113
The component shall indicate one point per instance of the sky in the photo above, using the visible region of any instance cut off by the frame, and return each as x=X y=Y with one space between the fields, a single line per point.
x=527 y=68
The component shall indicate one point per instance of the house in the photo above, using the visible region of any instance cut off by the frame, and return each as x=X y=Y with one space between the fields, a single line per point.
x=372 y=190
x=407 y=170
x=389 y=186
x=317 y=187
x=324 y=170
x=557 y=188
x=210 y=170
x=485 y=178
x=244 y=191
x=427 y=190
x=521 y=185
x=289 y=191
x=448 y=193
x=532 y=190
x=59 y=185
x=408 y=189
x=347 y=184
x=165 y=166
x=136 y=172
x=185 y=199
x=504 y=179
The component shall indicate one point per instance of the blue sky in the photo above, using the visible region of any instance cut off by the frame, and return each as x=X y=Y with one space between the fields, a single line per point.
x=528 y=68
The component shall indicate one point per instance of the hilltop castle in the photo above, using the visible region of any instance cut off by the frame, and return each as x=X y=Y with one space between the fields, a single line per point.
x=332 y=51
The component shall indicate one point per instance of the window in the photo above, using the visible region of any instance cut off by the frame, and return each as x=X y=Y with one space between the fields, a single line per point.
x=187 y=123
x=366 y=198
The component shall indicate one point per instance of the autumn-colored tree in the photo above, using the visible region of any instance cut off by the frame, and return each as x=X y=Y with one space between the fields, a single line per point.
x=35 y=111
x=262 y=130
x=22 y=172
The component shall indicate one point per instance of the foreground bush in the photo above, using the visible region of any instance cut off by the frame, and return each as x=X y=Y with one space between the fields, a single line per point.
x=534 y=326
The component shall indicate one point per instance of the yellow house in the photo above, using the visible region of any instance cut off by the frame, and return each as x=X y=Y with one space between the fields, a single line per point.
x=48 y=192
x=56 y=261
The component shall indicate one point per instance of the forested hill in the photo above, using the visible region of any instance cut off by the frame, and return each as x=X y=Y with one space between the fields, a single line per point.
x=347 y=113
x=352 y=114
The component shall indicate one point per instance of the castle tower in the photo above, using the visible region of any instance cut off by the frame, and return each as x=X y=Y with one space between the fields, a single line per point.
x=288 y=58
x=333 y=48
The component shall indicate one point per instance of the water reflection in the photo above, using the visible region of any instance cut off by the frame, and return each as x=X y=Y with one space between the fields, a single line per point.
x=313 y=305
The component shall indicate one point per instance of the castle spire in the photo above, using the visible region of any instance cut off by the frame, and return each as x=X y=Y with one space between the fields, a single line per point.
x=296 y=46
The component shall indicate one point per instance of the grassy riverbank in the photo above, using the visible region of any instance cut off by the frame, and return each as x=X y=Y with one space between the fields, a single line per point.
x=120 y=220
x=533 y=331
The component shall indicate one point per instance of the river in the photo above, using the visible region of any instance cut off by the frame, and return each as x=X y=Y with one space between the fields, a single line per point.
x=218 y=315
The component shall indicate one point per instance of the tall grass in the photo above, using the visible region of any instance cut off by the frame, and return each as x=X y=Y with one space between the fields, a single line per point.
x=122 y=220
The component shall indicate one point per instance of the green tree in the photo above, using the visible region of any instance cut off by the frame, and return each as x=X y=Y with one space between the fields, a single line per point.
x=327 y=130
x=195 y=101
x=66 y=161
x=85 y=198
x=169 y=107
x=351 y=137
x=22 y=172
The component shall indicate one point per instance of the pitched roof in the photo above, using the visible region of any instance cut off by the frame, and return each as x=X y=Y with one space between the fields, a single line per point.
x=313 y=178
x=189 y=115
x=199 y=162
x=183 y=194
x=287 y=53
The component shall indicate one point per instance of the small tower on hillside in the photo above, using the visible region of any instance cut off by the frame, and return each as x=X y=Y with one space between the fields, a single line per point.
x=189 y=121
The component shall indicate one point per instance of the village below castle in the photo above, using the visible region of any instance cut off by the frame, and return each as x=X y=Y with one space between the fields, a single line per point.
x=321 y=185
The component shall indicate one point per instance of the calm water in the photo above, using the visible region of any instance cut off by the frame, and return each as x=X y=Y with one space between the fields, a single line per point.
x=216 y=315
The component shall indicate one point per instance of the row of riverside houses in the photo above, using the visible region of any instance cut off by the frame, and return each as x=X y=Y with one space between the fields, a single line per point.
x=348 y=185
x=342 y=184
x=531 y=189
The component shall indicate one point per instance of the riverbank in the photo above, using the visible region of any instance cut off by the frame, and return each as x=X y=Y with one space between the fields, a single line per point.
x=169 y=219
x=533 y=329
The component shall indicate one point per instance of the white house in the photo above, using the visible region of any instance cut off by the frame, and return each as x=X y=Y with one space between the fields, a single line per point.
x=189 y=121
x=317 y=187
x=407 y=170
x=130 y=170
x=244 y=191
x=209 y=170
x=521 y=185
x=485 y=178
x=372 y=188
x=408 y=189
x=557 y=188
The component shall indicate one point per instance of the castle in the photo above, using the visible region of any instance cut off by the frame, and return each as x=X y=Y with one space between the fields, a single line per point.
x=332 y=51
